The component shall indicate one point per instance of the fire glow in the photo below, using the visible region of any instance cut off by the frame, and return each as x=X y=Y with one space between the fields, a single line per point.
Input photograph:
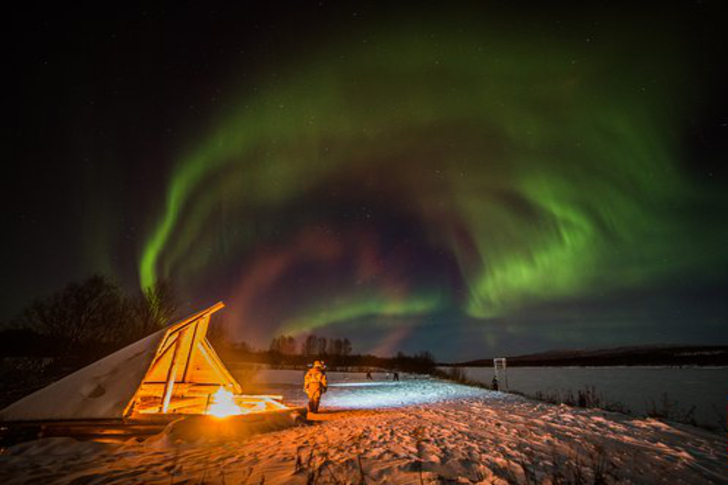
x=223 y=404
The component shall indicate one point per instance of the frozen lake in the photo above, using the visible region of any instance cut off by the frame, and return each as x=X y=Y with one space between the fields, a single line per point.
x=636 y=387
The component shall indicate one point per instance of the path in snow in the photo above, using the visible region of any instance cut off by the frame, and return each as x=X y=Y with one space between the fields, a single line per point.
x=445 y=433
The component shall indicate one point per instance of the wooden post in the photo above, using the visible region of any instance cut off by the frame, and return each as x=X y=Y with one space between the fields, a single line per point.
x=171 y=374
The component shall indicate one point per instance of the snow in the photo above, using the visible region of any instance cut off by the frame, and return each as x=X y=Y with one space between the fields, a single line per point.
x=410 y=432
x=350 y=390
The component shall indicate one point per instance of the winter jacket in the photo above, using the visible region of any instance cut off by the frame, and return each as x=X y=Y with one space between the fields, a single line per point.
x=315 y=380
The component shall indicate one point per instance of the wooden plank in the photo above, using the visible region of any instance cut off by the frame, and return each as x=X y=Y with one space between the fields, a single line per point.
x=169 y=387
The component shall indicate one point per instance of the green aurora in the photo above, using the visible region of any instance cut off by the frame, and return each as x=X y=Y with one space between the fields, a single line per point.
x=543 y=169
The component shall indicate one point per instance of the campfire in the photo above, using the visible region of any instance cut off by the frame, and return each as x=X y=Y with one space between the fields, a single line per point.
x=224 y=403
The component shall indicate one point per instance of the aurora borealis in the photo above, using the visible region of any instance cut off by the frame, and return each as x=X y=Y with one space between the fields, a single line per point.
x=460 y=180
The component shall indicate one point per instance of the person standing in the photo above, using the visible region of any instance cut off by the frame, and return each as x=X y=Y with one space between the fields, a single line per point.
x=315 y=384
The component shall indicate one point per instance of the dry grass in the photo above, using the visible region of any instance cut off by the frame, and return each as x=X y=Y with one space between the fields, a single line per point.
x=669 y=409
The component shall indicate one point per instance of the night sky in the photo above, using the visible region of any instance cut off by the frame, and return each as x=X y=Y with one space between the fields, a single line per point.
x=471 y=181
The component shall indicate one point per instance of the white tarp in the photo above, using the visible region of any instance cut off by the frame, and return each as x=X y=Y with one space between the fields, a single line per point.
x=103 y=389
x=100 y=390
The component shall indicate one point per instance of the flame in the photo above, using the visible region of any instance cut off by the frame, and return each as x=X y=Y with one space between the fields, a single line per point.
x=223 y=404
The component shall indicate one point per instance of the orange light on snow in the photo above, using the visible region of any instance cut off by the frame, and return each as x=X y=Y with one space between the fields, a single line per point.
x=223 y=404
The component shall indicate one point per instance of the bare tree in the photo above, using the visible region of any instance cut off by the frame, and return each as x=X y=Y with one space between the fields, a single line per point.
x=322 y=346
x=346 y=347
x=290 y=347
x=310 y=346
x=79 y=313
x=150 y=310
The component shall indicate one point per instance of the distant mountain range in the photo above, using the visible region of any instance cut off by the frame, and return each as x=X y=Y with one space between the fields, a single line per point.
x=673 y=355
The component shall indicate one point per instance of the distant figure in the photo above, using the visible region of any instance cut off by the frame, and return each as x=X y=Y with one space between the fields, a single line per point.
x=495 y=383
x=315 y=384
x=369 y=376
x=395 y=376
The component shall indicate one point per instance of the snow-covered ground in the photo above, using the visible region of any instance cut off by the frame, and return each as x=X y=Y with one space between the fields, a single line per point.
x=414 y=431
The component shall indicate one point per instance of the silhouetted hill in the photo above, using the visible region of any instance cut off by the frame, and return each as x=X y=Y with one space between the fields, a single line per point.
x=704 y=355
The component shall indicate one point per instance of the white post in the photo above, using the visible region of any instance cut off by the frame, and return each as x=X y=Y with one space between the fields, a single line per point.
x=502 y=377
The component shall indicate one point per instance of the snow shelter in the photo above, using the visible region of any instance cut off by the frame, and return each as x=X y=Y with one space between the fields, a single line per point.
x=174 y=371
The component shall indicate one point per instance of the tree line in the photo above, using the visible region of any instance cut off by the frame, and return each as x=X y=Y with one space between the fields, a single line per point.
x=286 y=351
x=88 y=319
x=312 y=345
x=85 y=321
